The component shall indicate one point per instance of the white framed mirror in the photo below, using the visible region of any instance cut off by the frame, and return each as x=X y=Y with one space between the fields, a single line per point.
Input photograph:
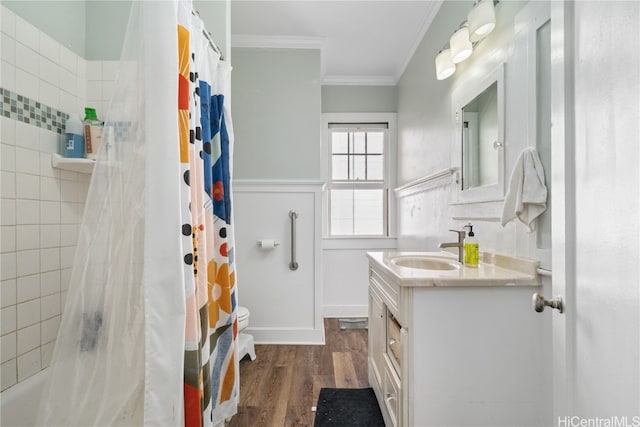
x=478 y=143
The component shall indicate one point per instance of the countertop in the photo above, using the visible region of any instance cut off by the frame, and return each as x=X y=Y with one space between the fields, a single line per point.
x=496 y=270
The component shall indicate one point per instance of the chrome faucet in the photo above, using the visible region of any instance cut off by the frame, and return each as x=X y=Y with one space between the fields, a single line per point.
x=459 y=244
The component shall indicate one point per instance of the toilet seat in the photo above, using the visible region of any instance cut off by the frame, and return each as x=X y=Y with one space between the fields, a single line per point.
x=245 y=340
x=243 y=317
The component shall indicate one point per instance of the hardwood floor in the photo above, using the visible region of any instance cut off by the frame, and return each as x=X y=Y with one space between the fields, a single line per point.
x=281 y=386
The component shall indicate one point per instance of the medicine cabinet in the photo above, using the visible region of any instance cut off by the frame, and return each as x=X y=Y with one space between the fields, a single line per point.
x=478 y=145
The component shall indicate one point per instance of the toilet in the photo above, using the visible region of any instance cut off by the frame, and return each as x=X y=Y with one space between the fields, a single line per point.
x=245 y=341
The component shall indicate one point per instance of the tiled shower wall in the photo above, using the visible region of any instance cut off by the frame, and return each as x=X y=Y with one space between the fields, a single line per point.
x=41 y=207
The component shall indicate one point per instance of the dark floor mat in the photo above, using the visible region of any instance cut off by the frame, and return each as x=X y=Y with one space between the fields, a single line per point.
x=348 y=407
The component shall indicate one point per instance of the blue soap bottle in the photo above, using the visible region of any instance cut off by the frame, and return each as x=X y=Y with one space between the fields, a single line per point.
x=74 y=139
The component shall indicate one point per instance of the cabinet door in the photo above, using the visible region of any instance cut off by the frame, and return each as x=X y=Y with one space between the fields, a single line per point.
x=376 y=337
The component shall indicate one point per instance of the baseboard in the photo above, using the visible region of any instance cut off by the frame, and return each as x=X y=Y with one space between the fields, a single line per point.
x=286 y=336
x=345 y=310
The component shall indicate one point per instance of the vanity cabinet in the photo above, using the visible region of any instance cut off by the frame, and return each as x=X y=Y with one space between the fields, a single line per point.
x=463 y=353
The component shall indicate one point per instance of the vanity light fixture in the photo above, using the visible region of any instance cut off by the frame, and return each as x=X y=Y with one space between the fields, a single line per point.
x=461 y=47
x=481 y=19
x=444 y=66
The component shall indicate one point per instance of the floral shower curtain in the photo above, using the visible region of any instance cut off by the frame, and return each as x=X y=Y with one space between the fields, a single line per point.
x=148 y=335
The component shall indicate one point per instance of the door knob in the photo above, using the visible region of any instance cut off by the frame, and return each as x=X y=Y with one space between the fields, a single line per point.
x=539 y=303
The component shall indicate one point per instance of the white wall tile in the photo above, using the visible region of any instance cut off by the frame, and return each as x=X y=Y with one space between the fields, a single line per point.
x=8 y=76
x=49 y=48
x=107 y=90
x=68 y=175
x=27 y=59
x=50 y=306
x=27 y=186
x=28 y=288
x=50 y=212
x=49 y=329
x=67 y=254
x=109 y=70
x=49 y=141
x=27 y=84
x=8 y=293
x=65 y=279
x=28 y=338
x=82 y=69
x=68 y=81
x=68 y=234
x=70 y=213
x=27 y=136
x=8 y=317
x=46 y=351
x=7 y=131
x=8 y=185
x=27 y=160
x=8 y=22
x=8 y=266
x=49 y=94
x=8 y=46
x=29 y=314
x=27 y=212
x=28 y=262
x=8 y=238
x=8 y=347
x=71 y=191
x=50 y=283
x=27 y=34
x=50 y=189
x=29 y=364
x=49 y=72
x=49 y=236
x=7 y=212
x=27 y=237
x=94 y=70
x=8 y=373
x=68 y=60
x=69 y=103
x=8 y=157
x=94 y=90
x=49 y=259
x=45 y=166
x=63 y=299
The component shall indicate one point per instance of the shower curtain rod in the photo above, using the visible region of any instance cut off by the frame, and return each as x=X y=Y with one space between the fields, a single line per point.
x=208 y=36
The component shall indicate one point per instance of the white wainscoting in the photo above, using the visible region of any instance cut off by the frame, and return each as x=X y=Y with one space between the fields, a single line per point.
x=346 y=274
x=285 y=304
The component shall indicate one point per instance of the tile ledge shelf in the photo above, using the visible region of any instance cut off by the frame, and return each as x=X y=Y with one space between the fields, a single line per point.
x=80 y=165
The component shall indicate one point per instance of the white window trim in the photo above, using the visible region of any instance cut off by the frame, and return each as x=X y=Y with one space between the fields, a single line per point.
x=389 y=165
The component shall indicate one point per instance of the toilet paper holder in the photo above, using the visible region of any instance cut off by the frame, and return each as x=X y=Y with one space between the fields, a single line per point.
x=266 y=242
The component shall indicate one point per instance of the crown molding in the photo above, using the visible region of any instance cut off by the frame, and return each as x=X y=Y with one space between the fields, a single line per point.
x=358 y=81
x=425 y=26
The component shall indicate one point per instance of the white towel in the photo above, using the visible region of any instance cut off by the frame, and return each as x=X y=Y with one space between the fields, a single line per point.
x=527 y=195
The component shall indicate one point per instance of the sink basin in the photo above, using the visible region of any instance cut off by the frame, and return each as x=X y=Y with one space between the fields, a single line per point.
x=425 y=263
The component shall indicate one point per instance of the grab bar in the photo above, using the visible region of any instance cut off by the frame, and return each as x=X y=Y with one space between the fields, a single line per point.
x=293 y=215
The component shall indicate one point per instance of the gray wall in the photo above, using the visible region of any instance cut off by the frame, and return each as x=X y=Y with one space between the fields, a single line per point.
x=64 y=21
x=276 y=113
x=95 y=29
x=359 y=99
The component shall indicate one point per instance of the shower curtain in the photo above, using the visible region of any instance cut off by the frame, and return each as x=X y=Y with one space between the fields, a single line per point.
x=148 y=335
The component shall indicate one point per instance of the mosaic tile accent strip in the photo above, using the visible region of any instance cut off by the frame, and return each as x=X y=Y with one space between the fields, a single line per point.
x=23 y=109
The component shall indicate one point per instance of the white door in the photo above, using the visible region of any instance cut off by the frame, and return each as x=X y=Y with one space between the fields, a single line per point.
x=595 y=138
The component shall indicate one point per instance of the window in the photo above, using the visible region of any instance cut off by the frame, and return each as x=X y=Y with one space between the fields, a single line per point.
x=358 y=183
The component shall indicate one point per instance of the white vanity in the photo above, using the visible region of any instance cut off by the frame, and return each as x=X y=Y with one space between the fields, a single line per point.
x=455 y=346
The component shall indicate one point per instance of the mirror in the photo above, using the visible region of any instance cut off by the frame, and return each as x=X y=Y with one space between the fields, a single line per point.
x=478 y=154
x=480 y=140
